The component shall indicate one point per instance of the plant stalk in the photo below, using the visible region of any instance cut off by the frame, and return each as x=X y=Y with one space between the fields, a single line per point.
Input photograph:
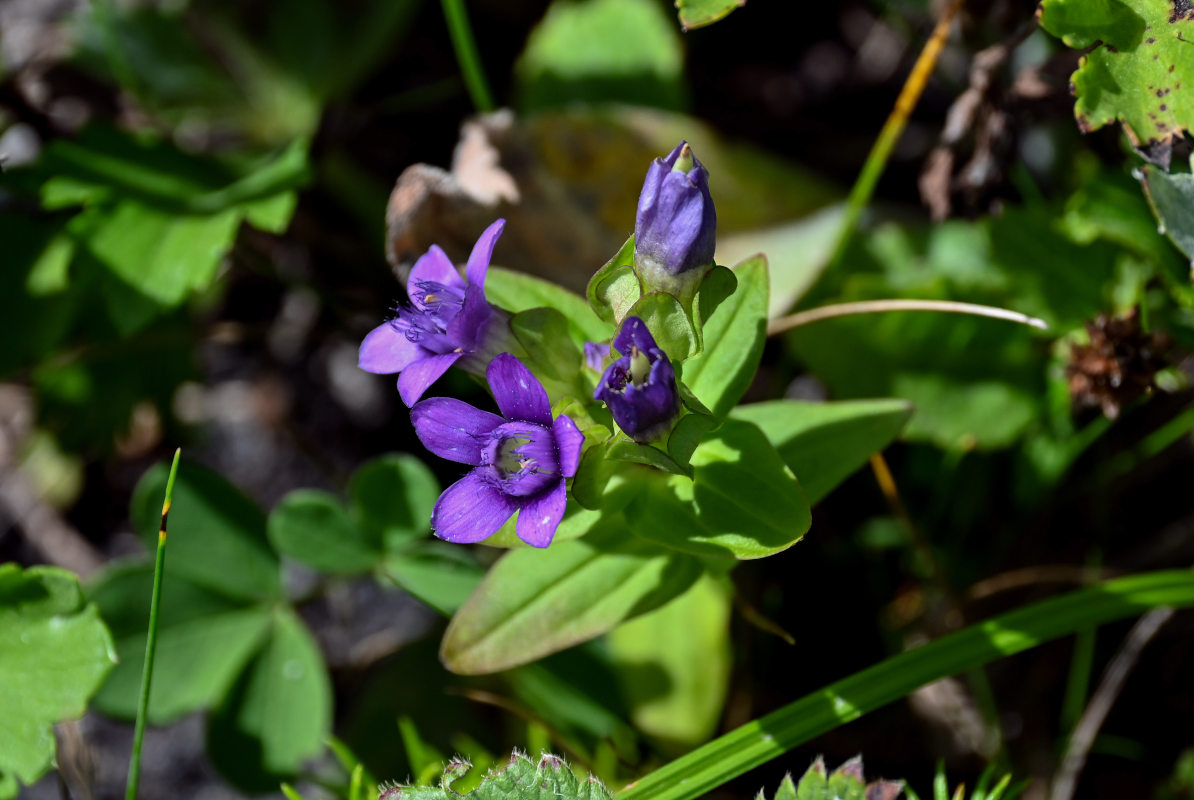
x=151 y=638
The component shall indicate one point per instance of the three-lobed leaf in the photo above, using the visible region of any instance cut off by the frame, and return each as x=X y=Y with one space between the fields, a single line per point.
x=278 y=712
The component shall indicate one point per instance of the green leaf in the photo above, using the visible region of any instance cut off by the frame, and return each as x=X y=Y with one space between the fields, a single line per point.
x=535 y=602
x=576 y=523
x=218 y=538
x=436 y=573
x=757 y=742
x=668 y=322
x=615 y=287
x=204 y=639
x=743 y=501
x=824 y=443
x=698 y=13
x=543 y=333
x=1142 y=73
x=391 y=499
x=1171 y=196
x=518 y=779
x=54 y=653
x=734 y=339
x=278 y=712
x=517 y=291
x=568 y=58
x=313 y=527
x=674 y=665
x=156 y=256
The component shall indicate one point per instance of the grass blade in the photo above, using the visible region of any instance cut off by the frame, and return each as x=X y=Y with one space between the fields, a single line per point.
x=759 y=741
x=151 y=639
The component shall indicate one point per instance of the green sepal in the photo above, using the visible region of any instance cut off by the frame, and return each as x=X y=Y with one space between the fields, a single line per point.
x=719 y=283
x=604 y=484
x=669 y=324
x=687 y=434
x=615 y=287
x=634 y=452
x=549 y=352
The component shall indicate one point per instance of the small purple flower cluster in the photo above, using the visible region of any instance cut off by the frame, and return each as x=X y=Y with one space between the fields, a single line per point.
x=522 y=459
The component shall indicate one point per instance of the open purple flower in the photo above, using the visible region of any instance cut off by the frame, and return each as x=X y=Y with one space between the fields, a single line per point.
x=640 y=387
x=675 y=229
x=522 y=458
x=447 y=322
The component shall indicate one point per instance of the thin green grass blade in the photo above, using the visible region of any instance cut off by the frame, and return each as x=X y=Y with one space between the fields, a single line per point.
x=151 y=638
x=759 y=741
x=465 y=45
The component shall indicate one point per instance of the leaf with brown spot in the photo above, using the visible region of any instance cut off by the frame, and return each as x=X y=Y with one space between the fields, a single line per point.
x=1140 y=72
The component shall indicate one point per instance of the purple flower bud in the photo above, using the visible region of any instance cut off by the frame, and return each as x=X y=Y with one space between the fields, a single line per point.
x=595 y=355
x=522 y=458
x=675 y=230
x=447 y=322
x=640 y=387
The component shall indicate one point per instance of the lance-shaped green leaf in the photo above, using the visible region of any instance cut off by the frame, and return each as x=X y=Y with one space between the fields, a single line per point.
x=743 y=501
x=1141 y=70
x=550 y=352
x=535 y=602
x=824 y=443
x=1171 y=196
x=225 y=549
x=204 y=639
x=54 y=653
x=519 y=779
x=278 y=712
x=699 y=13
x=516 y=291
x=674 y=665
x=733 y=338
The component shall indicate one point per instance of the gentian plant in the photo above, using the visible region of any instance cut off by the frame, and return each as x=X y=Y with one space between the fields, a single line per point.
x=615 y=434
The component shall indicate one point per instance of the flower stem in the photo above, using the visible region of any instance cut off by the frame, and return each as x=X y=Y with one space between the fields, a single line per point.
x=151 y=638
x=812 y=315
x=876 y=160
x=465 y=45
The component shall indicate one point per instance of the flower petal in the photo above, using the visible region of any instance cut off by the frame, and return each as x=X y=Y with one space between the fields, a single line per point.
x=538 y=519
x=453 y=429
x=472 y=324
x=569 y=442
x=470 y=510
x=386 y=350
x=518 y=393
x=634 y=333
x=433 y=266
x=415 y=379
x=478 y=260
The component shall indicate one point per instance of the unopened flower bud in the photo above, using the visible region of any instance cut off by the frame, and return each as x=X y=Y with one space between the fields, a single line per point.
x=675 y=229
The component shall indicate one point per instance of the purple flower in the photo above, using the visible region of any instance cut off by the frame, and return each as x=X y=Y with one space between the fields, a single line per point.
x=595 y=355
x=640 y=387
x=675 y=229
x=522 y=458
x=447 y=322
